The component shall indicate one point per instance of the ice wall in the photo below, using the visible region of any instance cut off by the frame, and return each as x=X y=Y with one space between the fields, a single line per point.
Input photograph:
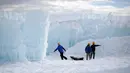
x=25 y=35
x=73 y=27
x=60 y=34
x=22 y=35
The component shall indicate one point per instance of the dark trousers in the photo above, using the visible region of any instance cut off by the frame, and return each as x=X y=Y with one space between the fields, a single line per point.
x=62 y=56
x=88 y=56
x=93 y=55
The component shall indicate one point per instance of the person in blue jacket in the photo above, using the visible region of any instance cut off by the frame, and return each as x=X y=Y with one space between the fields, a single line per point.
x=88 y=51
x=61 y=51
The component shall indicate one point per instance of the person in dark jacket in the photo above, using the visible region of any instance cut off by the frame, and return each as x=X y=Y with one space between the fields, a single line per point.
x=61 y=51
x=88 y=51
x=93 y=46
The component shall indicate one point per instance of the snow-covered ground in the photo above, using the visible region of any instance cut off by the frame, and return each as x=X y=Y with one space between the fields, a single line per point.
x=112 y=57
x=103 y=65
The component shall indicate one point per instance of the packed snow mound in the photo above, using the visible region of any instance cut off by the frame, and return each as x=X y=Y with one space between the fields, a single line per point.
x=116 y=46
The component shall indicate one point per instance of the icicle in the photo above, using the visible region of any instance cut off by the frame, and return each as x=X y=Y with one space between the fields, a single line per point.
x=46 y=36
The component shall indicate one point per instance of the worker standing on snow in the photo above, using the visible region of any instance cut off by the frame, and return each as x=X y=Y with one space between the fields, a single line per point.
x=88 y=51
x=61 y=51
x=93 y=46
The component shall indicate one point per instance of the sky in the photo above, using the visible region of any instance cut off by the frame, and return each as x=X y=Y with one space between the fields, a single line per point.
x=119 y=7
x=96 y=2
x=115 y=3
